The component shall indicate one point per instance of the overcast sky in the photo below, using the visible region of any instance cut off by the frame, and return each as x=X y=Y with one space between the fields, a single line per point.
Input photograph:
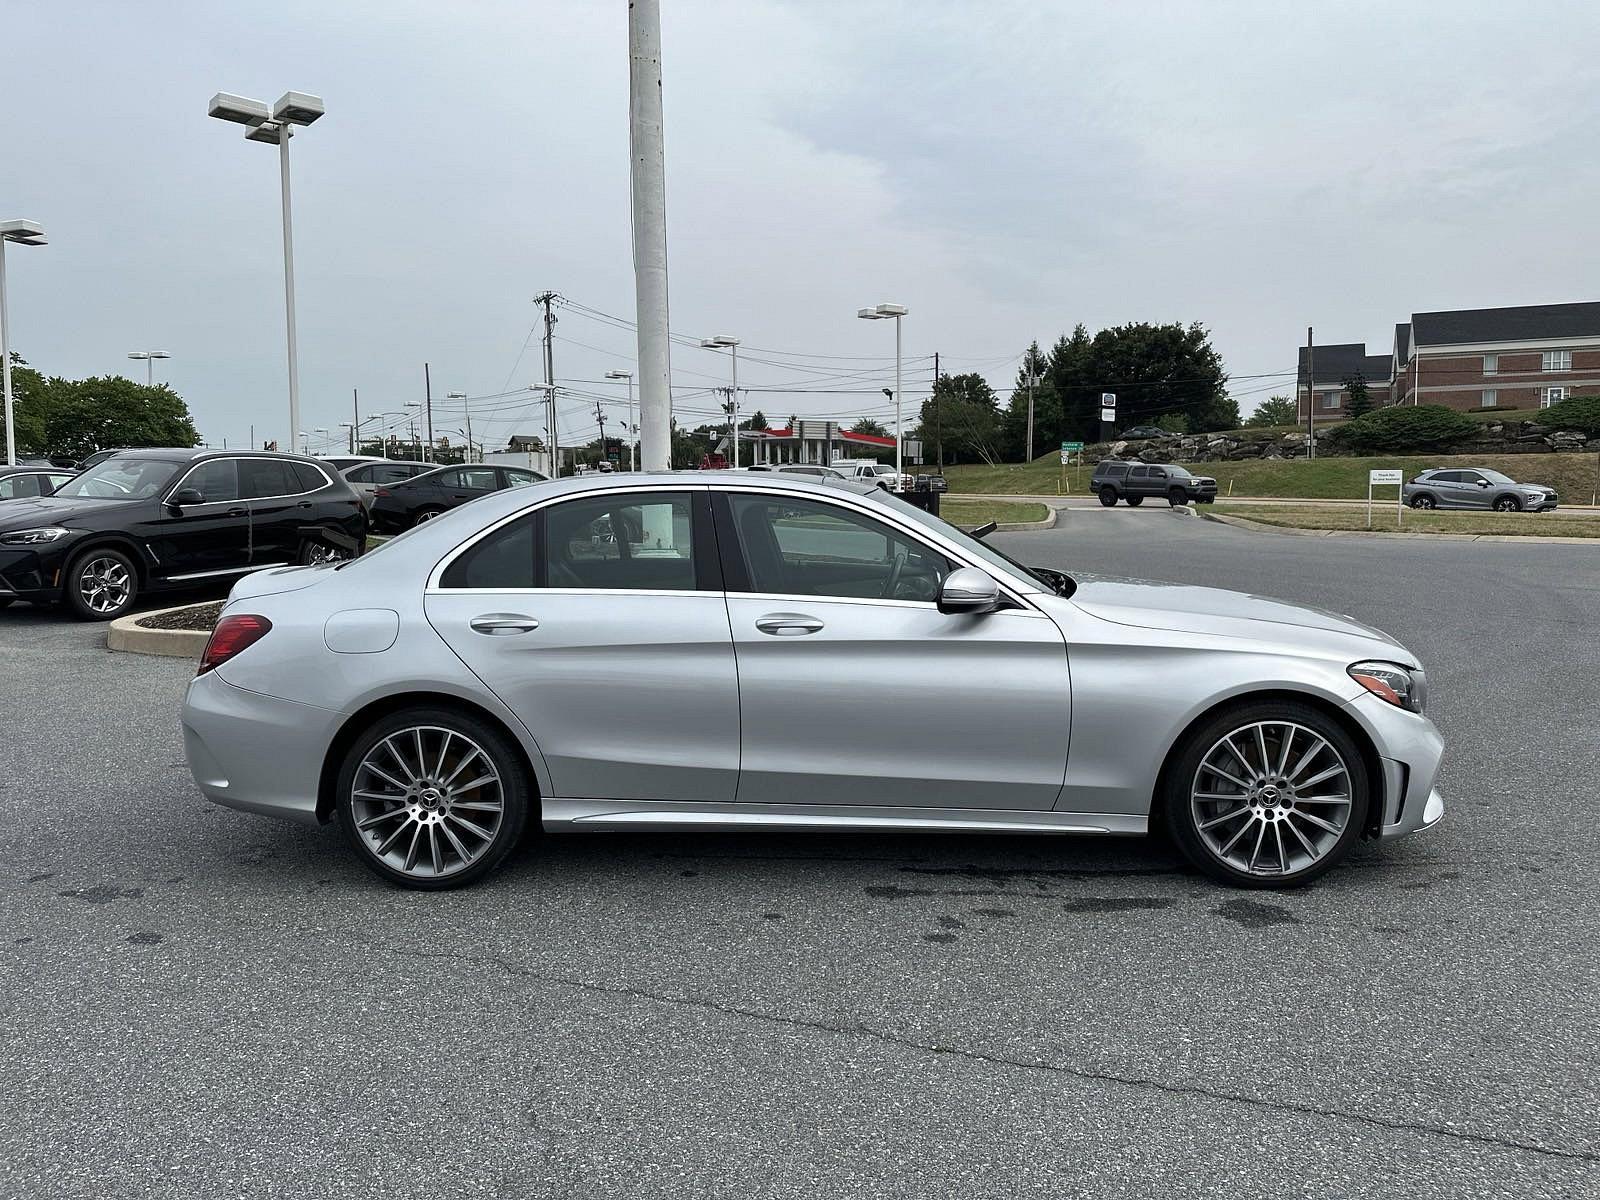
x=1006 y=170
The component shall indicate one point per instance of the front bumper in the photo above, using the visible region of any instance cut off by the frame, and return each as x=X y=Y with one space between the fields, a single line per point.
x=255 y=752
x=1409 y=752
x=29 y=573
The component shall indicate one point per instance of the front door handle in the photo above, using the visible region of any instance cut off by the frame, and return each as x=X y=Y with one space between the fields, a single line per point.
x=788 y=624
x=502 y=624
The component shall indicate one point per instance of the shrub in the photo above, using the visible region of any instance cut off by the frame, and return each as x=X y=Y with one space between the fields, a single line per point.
x=1423 y=429
x=1580 y=412
x=1173 y=423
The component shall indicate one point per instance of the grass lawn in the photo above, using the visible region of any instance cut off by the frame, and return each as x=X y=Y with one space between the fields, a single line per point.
x=1575 y=476
x=1383 y=520
x=972 y=513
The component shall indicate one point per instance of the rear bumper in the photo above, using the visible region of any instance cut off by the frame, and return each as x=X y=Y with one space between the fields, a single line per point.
x=255 y=752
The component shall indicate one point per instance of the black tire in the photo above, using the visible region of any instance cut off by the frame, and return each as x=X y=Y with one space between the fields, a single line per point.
x=1108 y=496
x=7 y=601
x=516 y=796
x=1135 y=501
x=313 y=552
x=1183 y=772
x=1177 y=498
x=1507 y=504
x=119 y=584
x=1423 y=501
x=425 y=514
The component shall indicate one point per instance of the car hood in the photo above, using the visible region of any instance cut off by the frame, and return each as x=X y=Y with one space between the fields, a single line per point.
x=1182 y=608
x=53 y=510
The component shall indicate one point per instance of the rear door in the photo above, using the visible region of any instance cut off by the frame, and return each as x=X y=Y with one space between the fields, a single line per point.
x=1475 y=490
x=600 y=621
x=467 y=483
x=278 y=491
x=855 y=690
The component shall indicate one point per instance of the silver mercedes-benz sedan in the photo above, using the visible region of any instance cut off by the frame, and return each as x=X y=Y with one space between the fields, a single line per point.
x=741 y=651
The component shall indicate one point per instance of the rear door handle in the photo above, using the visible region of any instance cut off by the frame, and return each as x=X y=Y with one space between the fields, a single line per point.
x=503 y=624
x=237 y=512
x=788 y=624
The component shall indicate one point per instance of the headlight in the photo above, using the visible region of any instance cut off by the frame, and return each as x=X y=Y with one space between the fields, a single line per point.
x=33 y=537
x=1400 y=686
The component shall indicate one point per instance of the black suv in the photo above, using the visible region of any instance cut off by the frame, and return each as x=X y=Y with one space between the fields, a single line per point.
x=160 y=520
x=1114 y=480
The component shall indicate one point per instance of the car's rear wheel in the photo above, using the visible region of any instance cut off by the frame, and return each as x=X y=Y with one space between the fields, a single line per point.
x=1177 y=498
x=101 y=584
x=425 y=514
x=1108 y=496
x=316 y=554
x=1424 y=501
x=431 y=798
x=1135 y=501
x=1507 y=504
x=1267 y=794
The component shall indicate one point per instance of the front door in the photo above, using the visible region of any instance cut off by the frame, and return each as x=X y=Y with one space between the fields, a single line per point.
x=600 y=622
x=200 y=541
x=855 y=690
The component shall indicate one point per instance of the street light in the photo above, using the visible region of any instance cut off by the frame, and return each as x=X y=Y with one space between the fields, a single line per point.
x=717 y=342
x=24 y=233
x=879 y=313
x=467 y=408
x=149 y=357
x=275 y=127
x=421 y=449
x=633 y=430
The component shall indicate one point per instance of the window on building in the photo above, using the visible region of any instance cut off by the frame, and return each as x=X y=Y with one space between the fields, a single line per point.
x=1557 y=360
x=1551 y=395
x=1491 y=397
x=1491 y=364
x=1330 y=399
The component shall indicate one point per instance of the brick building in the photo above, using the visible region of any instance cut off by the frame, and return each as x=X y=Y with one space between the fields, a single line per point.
x=1511 y=358
x=1332 y=366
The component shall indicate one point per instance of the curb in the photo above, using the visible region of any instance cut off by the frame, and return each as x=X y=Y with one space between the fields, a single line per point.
x=1023 y=526
x=126 y=634
x=1263 y=527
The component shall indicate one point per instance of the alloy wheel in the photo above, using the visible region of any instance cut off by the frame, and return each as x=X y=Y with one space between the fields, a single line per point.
x=1507 y=504
x=427 y=801
x=318 y=554
x=1271 y=798
x=105 y=584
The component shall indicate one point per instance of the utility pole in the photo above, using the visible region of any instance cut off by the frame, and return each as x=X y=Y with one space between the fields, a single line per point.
x=547 y=299
x=648 y=169
x=600 y=419
x=1311 y=396
x=355 y=414
x=427 y=396
x=938 y=424
x=1031 y=379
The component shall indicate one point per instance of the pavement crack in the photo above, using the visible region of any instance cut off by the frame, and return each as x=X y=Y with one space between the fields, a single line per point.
x=990 y=1059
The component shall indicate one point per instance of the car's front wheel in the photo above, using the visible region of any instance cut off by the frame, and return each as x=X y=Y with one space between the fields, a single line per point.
x=1507 y=504
x=316 y=553
x=1108 y=496
x=101 y=584
x=1266 y=794
x=1177 y=498
x=432 y=798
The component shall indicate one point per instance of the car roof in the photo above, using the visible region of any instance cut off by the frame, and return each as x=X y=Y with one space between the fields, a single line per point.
x=196 y=453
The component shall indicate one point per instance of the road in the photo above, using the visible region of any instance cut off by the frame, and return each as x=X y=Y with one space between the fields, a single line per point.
x=197 y=1002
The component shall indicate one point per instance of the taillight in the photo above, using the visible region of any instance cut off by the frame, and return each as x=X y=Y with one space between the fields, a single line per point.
x=231 y=635
x=380 y=492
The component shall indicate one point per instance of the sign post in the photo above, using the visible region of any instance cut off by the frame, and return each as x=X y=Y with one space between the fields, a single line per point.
x=1108 y=414
x=1394 y=479
x=1068 y=449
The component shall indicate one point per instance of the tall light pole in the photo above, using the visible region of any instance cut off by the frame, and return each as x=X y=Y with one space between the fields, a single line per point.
x=149 y=357
x=467 y=408
x=648 y=175
x=717 y=342
x=24 y=233
x=275 y=126
x=882 y=312
x=633 y=430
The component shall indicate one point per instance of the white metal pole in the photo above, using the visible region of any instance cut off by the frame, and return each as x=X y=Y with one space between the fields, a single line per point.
x=733 y=395
x=288 y=287
x=649 y=177
x=899 y=431
x=5 y=353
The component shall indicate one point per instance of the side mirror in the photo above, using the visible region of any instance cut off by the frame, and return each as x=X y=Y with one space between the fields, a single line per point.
x=1483 y=483
x=969 y=590
x=186 y=496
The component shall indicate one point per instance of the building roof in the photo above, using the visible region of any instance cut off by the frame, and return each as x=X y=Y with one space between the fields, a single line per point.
x=1402 y=341
x=1336 y=363
x=845 y=435
x=1528 y=322
x=525 y=441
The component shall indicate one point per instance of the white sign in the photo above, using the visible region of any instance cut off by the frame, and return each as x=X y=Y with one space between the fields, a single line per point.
x=1391 y=479
x=1108 y=414
x=1108 y=399
x=1386 y=477
x=1066 y=458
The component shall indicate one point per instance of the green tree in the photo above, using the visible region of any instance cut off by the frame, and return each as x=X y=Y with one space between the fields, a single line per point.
x=1359 y=402
x=1279 y=410
x=30 y=405
x=758 y=421
x=870 y=427
x=1070 y=371
x=1155 y=369
x=963 y=413
x=85 y=415
x=1173 y=422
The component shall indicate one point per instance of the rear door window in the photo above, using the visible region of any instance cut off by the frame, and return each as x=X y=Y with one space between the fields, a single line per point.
x=263 y=478
x=631 y=542
x=1139 y=473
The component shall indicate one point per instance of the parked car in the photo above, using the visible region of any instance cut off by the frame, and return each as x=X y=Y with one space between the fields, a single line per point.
x=343 y=462
x=1115 y=479
x=156 y=520
x=1144 y=431
x=409 y=502
x=871 y=471
x=932 y=483
x=657 y=652
x=368 y=476
x=1477 y=487
x=95 y=459
x=26 y=482
x=808 y=470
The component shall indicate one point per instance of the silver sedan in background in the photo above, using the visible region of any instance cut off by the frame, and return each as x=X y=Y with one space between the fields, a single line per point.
x=1477 y=487
x=754 y=650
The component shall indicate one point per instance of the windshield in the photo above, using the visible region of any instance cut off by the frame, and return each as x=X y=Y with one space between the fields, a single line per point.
x=881 y=469
x=1495 y=476
x=989 y=554
x=121 y=479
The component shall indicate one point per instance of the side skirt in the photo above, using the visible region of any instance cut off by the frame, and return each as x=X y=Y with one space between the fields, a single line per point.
x=573 y=816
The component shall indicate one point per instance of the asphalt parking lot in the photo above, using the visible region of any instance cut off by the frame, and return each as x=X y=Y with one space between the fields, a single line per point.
x=197 y=1002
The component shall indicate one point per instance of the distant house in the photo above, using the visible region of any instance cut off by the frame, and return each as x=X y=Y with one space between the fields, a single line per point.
x=1526 y=357
x=522 y=443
